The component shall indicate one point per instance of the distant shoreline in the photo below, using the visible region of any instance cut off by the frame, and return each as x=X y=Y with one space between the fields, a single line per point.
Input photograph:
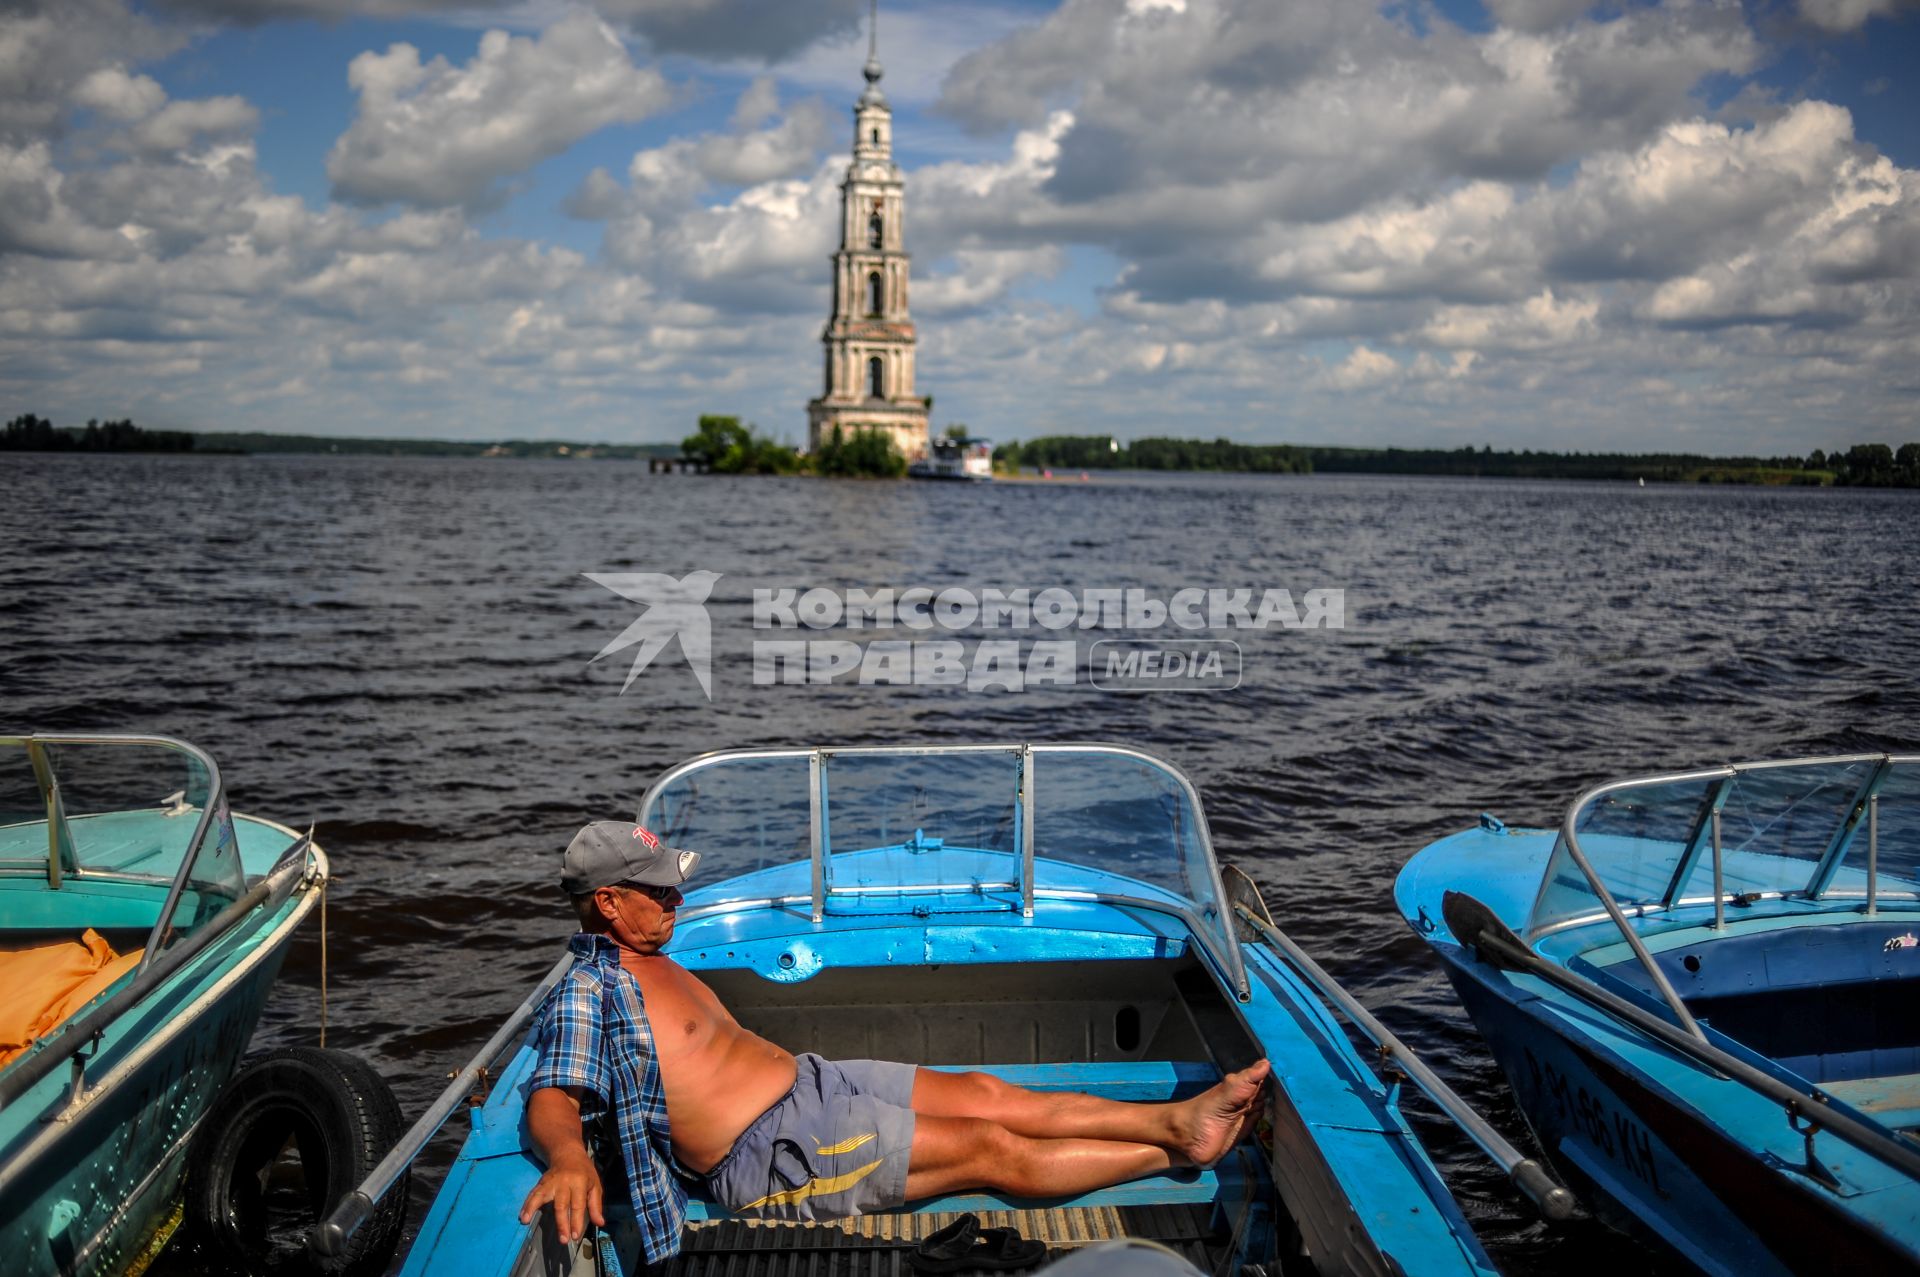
x=1071 y=459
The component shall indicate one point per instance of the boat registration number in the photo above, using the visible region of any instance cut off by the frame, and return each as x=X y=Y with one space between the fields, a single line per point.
x=1606 y=1126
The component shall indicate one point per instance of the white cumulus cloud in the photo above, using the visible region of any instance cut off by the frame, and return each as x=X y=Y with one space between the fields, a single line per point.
x=434 y=135
x=1849 y=15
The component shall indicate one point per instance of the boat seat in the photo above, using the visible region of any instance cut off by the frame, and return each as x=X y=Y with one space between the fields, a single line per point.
x=43 y=982
x=1135 y=1080
x=1891 y=1101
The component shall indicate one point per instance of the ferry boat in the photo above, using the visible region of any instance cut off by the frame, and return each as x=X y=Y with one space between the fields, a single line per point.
x=1702 y=989
x=962 y=460
x=1051 y=913
x=141 y=926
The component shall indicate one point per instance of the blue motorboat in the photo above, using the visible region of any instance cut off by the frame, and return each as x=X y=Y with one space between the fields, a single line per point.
x=141 y=926
x=1050 y=913
x=1701 y=988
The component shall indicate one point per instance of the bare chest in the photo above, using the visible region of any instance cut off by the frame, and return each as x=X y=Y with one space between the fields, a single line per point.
x=682 y=1012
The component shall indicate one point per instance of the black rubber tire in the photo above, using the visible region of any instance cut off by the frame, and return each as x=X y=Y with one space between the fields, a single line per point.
x=341 y=1117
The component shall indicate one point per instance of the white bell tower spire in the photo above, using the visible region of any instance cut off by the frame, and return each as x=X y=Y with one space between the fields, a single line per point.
x=869 y=337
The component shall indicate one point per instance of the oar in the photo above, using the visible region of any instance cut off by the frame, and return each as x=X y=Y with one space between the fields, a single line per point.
x=1528 y=1175
x=1480 y=929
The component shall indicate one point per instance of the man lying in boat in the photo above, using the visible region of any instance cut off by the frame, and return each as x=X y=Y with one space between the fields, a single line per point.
x=628 y=1031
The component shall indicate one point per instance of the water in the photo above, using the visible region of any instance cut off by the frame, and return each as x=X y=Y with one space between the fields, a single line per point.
x=399 y=651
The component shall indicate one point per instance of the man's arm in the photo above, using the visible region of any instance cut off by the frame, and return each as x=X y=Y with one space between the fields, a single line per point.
x=571 y=1182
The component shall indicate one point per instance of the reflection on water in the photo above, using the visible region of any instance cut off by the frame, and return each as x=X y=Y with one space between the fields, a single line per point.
x=399 y=650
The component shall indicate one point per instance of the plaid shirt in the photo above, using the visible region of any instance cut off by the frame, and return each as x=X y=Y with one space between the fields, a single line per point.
x=593 y=1034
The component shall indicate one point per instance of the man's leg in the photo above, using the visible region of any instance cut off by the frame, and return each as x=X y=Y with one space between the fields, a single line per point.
x=1196 y=1130
x=952 y=1154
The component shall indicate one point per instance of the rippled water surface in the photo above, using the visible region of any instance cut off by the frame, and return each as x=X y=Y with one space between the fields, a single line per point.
x=399 y=651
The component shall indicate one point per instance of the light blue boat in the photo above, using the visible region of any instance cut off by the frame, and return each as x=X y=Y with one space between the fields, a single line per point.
x=1702 y=989
x=129 y=837
x=1050 y=913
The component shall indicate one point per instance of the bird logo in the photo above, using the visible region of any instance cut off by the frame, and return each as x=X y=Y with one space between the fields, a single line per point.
x=674 y=609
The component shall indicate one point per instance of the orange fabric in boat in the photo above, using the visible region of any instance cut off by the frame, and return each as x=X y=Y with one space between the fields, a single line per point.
x=43 y=985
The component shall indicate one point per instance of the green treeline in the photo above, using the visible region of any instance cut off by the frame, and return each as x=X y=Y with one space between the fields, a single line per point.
x=1864 y=465
x=28 y=433
x=559 y=449
x=31 y=433
x=1090 y=452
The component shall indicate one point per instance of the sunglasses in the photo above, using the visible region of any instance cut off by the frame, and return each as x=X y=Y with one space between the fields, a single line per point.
x=660 y=895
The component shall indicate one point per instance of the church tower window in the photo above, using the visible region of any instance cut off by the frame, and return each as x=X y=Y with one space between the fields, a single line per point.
x=876 y=231
x=875 y=294
x=876 y=378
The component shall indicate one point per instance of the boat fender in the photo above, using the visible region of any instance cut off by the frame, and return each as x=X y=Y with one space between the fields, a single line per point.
x=248 y=1206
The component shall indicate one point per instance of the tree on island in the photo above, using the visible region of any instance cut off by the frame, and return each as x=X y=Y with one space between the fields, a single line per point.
x=866 y=454
x=724 y=446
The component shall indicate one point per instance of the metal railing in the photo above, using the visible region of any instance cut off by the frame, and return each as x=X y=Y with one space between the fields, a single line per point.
x=1224 y=957
x=1706 y=834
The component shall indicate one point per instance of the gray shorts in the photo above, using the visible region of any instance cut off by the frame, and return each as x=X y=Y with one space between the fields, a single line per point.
x=837 y=1145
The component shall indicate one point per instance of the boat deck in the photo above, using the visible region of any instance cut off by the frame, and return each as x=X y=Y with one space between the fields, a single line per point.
x=877 y=1245
x=1892 y=1100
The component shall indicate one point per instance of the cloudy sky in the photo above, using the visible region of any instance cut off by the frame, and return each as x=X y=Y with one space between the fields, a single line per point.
x=1531 y=223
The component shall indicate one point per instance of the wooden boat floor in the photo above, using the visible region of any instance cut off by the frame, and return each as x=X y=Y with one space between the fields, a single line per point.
x=877 y=1245
x=1893 y=1100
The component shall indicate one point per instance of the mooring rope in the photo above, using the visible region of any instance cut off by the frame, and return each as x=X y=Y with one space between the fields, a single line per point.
x=323 y=962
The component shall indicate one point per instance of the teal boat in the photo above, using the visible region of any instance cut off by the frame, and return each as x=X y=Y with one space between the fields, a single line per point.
x=1049 y=913
x=141 y=926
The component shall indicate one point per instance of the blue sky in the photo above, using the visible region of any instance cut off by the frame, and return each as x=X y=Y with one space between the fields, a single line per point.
x=1534 y=222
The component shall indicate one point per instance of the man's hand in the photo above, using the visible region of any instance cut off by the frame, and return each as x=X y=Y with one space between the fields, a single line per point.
x=572 y=1183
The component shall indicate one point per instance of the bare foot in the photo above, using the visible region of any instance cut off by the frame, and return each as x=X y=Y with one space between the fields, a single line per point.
x=1215 y=1120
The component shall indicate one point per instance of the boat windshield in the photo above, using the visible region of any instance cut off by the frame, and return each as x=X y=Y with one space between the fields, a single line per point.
x=1818 y=829
x=77 y=810
x=958 y=813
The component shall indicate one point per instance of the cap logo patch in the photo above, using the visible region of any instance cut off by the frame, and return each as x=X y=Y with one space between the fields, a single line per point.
x=646 y=836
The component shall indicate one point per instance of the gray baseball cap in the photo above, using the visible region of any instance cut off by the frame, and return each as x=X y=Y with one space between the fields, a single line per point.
x=611 y=851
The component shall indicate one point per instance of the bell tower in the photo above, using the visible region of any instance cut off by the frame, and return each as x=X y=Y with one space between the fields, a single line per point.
x=869 y=338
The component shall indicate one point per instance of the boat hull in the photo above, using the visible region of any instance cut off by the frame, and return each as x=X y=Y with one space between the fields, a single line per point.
x=1647 y=1162
x=111 y=1183
x=90 y=1188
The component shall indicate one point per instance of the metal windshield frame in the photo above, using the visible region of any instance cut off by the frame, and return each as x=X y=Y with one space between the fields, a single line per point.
x=61 y=856
x=1225 y=958
x=1705 y=833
